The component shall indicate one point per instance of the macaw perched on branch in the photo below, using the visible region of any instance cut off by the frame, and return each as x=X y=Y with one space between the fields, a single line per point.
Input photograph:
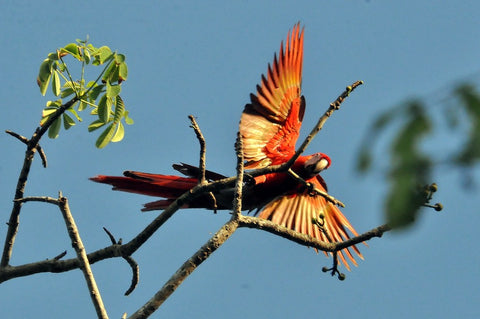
x=269 y=127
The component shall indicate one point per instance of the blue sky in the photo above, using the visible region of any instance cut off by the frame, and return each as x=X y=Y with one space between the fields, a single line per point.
x=204 y=58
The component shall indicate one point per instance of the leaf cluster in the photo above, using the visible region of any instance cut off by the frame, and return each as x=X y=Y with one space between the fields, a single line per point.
x=100 y=96
x=411 y=167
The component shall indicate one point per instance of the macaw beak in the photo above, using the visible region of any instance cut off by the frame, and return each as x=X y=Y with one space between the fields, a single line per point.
x=317 y=163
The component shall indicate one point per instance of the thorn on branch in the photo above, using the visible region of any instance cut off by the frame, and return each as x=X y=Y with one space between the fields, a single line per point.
x=25 y=140
x=43 y=156
x=60 y=256
x=214 y=202
x=135 y=274
x=133 y=264
x=110 y=235
x=203 y=149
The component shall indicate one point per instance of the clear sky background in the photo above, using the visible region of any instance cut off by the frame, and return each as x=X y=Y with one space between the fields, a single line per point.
x=204 y=58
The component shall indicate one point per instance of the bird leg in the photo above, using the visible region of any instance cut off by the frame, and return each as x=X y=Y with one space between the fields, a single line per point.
x=313 y=191
x=334 y=269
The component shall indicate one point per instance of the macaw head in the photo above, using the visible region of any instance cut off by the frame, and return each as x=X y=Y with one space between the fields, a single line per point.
x=317 y=163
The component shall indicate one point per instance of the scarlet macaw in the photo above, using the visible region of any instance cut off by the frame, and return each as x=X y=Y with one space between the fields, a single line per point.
x=269 y=127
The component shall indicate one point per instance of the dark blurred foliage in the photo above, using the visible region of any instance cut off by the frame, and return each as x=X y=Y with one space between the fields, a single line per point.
x=411 y=165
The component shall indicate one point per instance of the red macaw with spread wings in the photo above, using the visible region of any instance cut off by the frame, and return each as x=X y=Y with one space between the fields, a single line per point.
x=269 y=127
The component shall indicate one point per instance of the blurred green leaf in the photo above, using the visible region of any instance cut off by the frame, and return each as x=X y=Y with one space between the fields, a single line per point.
x=410 y=167
x=364 y=160
x=470 y=152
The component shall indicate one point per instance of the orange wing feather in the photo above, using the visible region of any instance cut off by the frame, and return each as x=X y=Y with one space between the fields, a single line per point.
x=270 y=124
x=296 y=211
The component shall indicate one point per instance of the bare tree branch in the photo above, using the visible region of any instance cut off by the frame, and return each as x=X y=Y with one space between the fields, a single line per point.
x=305 y=240
x=77 y=244
x=32 y=146
x=129 y=248
x=186 y=269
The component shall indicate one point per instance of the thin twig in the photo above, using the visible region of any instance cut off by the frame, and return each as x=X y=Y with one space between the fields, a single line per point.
x=82 y=257
x=44 y=199
x=237 y=199
x=21 y=138
x=203 y=149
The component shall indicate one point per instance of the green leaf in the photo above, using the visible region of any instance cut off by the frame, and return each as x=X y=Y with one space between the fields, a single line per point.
x=56 y=86
x=108 y=74
x=128 y=119
x=119 y=110
x=122 y=72
x=44 y=75
x=105 y=137
x=67 y=92
x=119 y=58
x=54 y=129
x=119 y=134
x=113 y=90
x=95 y=92
x=72 y=110
x=82 y=106
x=48 y=111
x=72 y=48
x=87 y=56
x=56 y=103
x=95 y=125
x=103 y=109
x=102 y=55
x=53 y=56
x=111 y=73
x=68 y=122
